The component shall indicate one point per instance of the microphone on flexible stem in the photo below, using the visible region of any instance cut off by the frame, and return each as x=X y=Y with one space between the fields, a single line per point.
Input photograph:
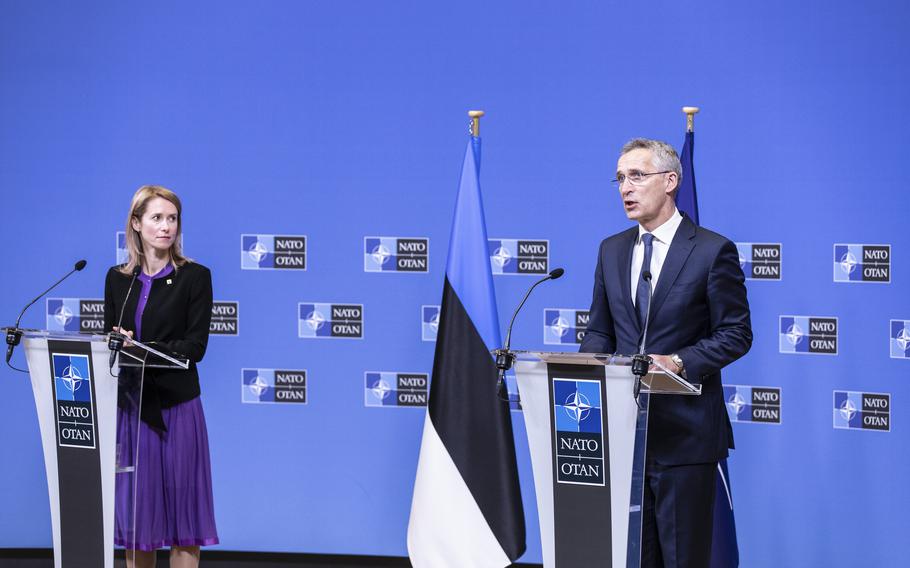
x=14 y=334
x=116 y=339
x=641 y=362
x=504 y=357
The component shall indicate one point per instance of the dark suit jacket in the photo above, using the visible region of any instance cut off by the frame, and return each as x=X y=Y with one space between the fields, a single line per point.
x=177 y=317
x=700 y=312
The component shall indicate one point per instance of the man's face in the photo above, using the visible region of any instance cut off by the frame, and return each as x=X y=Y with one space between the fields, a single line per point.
x=652 y=200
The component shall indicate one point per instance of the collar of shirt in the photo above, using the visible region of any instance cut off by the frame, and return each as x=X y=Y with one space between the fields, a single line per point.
x=145 y=278
x=663 y=236
x=665 y=232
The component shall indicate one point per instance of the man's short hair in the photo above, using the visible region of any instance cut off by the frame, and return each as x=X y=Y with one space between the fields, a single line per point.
x=665 y=157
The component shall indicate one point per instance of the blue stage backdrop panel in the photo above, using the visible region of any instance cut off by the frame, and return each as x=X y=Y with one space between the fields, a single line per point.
x=301 y=135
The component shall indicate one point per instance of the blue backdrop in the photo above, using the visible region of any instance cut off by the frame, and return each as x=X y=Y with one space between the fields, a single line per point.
x=346 y=120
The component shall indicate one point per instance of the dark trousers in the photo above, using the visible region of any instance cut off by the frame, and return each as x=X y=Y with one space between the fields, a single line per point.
x=677 y=515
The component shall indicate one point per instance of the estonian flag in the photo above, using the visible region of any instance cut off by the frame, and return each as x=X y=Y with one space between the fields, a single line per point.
x=466 y=510
x=724 y=550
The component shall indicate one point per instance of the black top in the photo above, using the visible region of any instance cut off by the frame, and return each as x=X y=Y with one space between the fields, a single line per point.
x=176 y=316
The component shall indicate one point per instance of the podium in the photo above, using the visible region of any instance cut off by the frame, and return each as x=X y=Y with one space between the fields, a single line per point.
x=587 y=437
x=76 y=397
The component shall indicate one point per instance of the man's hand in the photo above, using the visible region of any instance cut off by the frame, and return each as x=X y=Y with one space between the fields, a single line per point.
x=666 y=362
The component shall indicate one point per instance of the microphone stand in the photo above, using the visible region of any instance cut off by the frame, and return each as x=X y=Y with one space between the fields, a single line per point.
x=505 y=358
x=641 y=362
x=116 y=339
x=14 y=334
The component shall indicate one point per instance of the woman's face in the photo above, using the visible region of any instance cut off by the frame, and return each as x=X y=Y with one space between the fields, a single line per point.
x=158 y=226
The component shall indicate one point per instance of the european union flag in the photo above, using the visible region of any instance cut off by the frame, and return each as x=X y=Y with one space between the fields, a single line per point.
x=724 y=550
x=686 y=198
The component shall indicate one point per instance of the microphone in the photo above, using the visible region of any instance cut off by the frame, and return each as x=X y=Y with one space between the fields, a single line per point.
x=115 y=339
x=641 y=362
x=504 y=357
x=14 y=334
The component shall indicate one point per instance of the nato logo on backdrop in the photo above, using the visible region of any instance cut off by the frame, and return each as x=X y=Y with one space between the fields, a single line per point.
x=900 y=339
x=273 y=252
x=396 y=254
x=225 y=318
x=73 y=397
x=564 y=326
x=332 y=321
x=273 y=386
x=808 y=335
x=862 y=411
x=123 y=255
x=75 y=314
x=518 y=256
x=753 y=404
x=862 y=263
x=429 y=322
x=579 y=424
x=760 y=261
x=392 y=388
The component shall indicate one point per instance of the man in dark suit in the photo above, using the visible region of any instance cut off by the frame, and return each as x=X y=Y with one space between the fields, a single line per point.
x=699 y=323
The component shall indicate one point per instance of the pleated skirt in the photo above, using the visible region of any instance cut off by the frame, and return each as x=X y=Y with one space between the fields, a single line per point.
x=167 y=499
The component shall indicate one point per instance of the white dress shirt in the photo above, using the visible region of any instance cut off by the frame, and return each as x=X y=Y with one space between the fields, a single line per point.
x=663 y=236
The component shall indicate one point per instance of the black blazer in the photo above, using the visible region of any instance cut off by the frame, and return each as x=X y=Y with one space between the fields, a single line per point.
x=176 y=316
x=700 y=312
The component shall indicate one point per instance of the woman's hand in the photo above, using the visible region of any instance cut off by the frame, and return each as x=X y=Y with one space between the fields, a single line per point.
x=124 y=332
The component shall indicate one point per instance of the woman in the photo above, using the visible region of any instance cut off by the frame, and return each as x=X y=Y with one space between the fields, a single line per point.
x=169 y=304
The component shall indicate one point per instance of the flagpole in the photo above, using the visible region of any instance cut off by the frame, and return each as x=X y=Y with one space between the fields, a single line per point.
x=475 y=121
x=690 y=118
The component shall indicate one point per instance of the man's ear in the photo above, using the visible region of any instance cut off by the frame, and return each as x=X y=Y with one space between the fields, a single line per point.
x=672 y=183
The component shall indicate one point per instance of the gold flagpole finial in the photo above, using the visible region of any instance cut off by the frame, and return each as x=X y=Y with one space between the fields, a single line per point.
x=690 y=118
x=475 y=121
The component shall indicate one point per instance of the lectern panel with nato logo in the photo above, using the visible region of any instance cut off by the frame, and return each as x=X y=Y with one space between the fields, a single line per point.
x=76 y=393
x=587 y=436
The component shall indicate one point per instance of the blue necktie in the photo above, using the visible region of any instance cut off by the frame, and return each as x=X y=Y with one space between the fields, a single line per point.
x=642 y=294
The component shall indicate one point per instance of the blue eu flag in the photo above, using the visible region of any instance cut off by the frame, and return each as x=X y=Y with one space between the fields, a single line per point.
x=724 y=551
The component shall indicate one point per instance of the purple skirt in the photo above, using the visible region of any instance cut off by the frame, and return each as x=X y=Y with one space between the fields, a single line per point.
x=172 y=481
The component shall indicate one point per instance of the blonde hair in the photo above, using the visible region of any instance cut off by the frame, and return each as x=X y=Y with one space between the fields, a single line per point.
x=134 y=240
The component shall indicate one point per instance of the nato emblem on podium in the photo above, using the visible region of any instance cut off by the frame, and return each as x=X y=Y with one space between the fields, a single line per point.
x=579 y=434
